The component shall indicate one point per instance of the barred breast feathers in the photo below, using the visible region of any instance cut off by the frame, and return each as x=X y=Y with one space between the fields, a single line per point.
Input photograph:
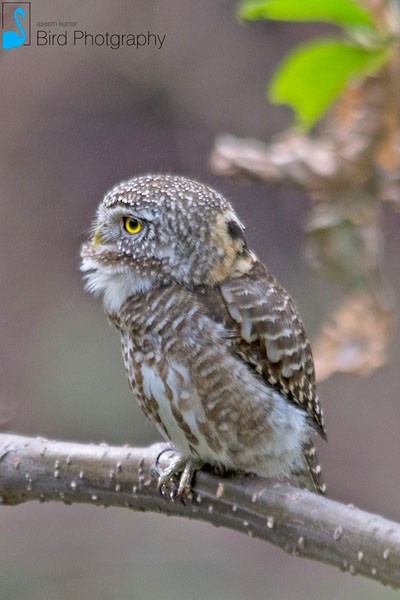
x=208 y=401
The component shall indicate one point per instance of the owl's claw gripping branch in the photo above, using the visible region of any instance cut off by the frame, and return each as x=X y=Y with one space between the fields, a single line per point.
x=180 y=468
x=186 y=479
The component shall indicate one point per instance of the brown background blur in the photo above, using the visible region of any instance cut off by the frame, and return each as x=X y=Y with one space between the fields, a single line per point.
x=74 y=121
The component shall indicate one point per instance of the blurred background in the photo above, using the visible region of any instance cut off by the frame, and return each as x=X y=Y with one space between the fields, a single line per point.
x=74 y=121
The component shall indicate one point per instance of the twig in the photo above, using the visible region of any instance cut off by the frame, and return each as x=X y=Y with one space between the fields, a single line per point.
x=299 y=522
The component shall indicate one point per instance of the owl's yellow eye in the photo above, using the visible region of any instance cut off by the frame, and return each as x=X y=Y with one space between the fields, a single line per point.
x=132 y=225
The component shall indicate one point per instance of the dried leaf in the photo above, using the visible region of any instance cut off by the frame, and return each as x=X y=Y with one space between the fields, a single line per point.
x=355 y=340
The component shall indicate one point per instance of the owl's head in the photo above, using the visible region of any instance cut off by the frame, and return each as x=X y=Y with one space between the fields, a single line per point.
x=157 y=229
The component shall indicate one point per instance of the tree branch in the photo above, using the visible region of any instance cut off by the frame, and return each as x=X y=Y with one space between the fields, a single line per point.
x=299 y=522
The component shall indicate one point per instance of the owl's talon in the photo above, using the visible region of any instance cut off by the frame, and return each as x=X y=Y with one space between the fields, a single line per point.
x=186 y=478
x=180 y=468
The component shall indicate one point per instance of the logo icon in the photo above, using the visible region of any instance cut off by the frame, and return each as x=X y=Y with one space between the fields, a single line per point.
x=16 y=21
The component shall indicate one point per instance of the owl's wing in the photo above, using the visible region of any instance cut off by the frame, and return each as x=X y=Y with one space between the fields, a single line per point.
x=271 y=337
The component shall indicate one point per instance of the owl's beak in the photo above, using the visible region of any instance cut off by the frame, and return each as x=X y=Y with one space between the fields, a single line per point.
x=97 y=239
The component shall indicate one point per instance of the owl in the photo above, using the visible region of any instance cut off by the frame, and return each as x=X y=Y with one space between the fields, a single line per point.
x=214 y=348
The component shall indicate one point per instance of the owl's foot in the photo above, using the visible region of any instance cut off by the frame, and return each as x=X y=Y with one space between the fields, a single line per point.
x=176 y=479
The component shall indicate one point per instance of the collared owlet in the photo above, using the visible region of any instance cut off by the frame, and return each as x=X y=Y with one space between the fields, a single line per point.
x=213 y=346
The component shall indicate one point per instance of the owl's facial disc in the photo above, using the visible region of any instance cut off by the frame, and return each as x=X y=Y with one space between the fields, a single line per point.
x=117 y=234
x=119 y=259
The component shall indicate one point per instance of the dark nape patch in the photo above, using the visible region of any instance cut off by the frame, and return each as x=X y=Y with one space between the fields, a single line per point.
x=235 y=231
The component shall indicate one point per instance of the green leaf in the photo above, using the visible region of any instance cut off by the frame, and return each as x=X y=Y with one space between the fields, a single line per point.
x=341 y=12
x=310 y=77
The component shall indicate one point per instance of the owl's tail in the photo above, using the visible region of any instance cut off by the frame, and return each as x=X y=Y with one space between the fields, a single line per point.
x=311 y=477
